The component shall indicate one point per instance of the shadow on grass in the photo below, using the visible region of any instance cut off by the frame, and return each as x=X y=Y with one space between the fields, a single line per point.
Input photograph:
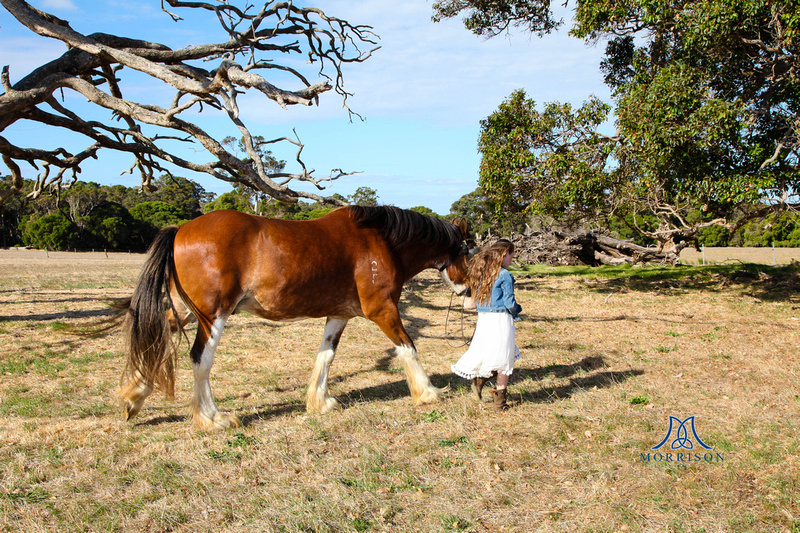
x=263 y=412
x=600 y=380
x=163 y=419
x=765 y=282
x=397 y=389
x=97 y=313
x=597 y=379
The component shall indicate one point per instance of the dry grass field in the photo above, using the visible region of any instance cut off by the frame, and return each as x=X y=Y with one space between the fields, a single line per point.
x=609 y=356
x=764 y=256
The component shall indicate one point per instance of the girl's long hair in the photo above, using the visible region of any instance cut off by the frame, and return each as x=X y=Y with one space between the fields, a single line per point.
x=484 y=267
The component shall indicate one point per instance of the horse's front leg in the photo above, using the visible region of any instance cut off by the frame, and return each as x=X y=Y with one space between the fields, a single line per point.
x=205 y=413
x=422 y=390
x=420 y=386
x=318 y=400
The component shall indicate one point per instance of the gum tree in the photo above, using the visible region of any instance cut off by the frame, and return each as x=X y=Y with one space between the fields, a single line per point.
x=261 y=42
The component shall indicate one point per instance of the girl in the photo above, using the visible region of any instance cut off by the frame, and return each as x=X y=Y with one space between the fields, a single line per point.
x=493 y=350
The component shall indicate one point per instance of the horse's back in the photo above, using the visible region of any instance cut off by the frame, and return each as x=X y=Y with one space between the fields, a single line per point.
x=240 y=236
x=275 y=268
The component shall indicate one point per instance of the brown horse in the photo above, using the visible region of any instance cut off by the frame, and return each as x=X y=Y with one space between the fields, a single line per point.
x=351 y=262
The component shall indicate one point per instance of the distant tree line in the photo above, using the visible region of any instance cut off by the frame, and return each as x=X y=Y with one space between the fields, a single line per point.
x=89 y=216
x=92 y=216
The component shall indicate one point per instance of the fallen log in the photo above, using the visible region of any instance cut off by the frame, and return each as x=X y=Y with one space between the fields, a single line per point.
x=587 y=248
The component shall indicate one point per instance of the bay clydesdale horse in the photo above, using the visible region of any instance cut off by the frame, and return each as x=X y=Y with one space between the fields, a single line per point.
x=351 y=262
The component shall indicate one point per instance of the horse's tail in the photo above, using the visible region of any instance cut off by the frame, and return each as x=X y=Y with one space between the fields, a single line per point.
x=151 y=350
x=118 y=311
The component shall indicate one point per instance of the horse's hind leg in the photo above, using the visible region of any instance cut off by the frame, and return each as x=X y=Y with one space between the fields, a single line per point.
x=135 y=389
x=318 y=400
x=205 y=413
x=178 y=315
x=134 y=392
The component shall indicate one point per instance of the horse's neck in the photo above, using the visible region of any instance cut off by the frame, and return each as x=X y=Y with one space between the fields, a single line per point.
x=416 y=261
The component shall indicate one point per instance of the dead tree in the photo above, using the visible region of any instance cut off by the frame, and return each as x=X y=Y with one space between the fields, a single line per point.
x=587 y=248
x=95 y=65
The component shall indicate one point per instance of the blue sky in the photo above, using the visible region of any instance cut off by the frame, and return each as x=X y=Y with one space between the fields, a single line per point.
x=422 y=94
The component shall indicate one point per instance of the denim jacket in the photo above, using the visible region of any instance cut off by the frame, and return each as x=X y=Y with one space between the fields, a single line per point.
x=502 y=300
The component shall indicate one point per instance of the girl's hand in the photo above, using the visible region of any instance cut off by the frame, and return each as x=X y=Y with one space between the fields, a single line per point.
x=469 y=303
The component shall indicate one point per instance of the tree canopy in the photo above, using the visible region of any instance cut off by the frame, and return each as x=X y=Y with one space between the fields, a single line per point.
x=706 y=105
x=257 y=40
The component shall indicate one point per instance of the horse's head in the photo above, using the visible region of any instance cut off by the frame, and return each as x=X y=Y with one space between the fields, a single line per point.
x=454 y=272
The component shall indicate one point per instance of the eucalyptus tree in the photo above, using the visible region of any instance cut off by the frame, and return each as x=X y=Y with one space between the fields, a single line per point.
x=260 y=44
x=706 y=108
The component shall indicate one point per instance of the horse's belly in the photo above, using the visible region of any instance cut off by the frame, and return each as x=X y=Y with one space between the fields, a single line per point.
x=289 y=309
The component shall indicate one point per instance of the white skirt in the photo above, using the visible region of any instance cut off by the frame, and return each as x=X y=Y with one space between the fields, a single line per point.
x=493 y=348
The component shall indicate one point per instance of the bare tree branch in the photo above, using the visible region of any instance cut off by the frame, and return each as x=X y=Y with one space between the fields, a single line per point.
x=94 y=64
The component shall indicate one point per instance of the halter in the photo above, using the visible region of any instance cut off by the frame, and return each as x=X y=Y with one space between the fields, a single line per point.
x=464 y=250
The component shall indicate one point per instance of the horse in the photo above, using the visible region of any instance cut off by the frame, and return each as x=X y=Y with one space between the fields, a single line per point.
x=352 y=262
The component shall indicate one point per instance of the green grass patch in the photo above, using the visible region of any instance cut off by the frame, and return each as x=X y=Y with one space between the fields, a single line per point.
x=26 y=405
x=58 y=326
x=454 y=523
x=640 y=400
x=434 y=416
x=656 y=273
x=47 y=363
x=32 y=495
x=666 y=349
x=240 y=440
x=457 y=441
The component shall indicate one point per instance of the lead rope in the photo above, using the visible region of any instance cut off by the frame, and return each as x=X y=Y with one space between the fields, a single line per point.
x=464 y=340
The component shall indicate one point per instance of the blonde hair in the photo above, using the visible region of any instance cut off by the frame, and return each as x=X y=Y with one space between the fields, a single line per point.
x=484 y=267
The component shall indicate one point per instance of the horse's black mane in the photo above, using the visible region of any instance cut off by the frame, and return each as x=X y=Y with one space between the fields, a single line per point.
x=401 y=226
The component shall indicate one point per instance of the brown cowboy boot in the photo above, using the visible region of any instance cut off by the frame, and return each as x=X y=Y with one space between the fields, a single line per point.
x=477 y=387
x=500 y=403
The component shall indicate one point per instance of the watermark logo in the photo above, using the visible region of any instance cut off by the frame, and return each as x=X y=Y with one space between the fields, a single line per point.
x=685 y=447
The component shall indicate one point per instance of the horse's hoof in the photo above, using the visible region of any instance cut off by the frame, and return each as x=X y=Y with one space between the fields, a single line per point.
x=220 y=421
x=133 y=395
x=131 y=410
x=223 y=421
x=327 y=405
x=430 y=395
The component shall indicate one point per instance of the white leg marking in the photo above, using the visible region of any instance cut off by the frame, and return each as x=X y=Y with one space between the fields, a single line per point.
x=206 y=413
x=135 y=392
x=422 y=391
x=318 y=400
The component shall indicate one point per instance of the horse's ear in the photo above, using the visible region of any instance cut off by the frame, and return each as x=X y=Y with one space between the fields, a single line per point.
x=463 y=226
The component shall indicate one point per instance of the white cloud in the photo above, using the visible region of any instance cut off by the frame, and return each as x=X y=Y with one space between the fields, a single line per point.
x=443 y=74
